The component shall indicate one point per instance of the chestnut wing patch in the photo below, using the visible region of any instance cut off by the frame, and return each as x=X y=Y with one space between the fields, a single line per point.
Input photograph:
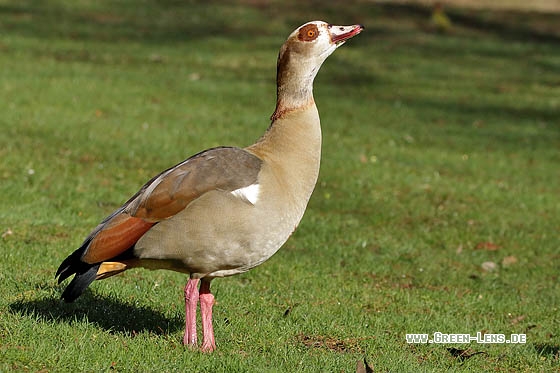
x=114 y=237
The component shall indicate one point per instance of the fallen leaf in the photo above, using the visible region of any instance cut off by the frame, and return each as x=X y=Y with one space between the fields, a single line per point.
x=489 y=266
x=488 y=246
x=509 y=260
x=156 y=58
x=7 y=233
x=518 y=319
x=330 y=343
x=478 y=123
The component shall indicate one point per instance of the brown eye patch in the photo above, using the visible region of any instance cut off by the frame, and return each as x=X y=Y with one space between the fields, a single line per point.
x=308 y=32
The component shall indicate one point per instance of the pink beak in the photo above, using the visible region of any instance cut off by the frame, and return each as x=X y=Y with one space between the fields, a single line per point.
x=339 y=34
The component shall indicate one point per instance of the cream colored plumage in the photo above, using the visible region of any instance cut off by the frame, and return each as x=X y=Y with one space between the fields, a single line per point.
x=224 y=210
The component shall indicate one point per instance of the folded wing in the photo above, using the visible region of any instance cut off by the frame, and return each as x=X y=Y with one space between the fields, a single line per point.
x=165 y=195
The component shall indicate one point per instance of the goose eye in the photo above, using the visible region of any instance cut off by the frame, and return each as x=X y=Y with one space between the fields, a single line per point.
x=308 y=33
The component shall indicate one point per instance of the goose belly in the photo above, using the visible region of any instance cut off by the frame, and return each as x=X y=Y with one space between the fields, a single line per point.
x=220 y=234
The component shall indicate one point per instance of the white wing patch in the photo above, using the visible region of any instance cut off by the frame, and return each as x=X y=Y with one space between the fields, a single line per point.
x=248 y=194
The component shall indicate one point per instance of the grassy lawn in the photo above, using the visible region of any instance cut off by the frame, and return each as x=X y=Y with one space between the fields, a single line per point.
x=437 y=208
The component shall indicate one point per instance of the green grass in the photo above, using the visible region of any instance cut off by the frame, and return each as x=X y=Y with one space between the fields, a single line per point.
x=441 y=152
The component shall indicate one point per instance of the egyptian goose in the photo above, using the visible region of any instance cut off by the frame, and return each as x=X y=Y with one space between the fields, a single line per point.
x=225 y=210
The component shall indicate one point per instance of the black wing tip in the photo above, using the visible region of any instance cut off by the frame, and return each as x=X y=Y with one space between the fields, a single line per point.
x=85 y=273
x=79 y=283
x=72 y=264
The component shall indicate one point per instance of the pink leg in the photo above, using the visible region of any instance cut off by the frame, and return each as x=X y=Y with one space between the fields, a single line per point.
x=191 y=301
x=206 y=303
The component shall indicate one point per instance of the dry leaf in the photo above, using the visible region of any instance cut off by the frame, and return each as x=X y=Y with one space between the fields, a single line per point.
x=489 y=266
x=518 y=319
x=330 y=343
x=488 y=246
x=7 y=233
x=509 y=260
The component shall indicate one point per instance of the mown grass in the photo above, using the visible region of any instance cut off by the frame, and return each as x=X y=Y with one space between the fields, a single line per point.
x=441 y=152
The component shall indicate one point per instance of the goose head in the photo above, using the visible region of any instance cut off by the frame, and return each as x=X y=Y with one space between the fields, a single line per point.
x=300 y=58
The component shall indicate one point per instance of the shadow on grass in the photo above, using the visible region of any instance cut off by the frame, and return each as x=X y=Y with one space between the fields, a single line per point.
x=176 y=21
x=110 y=314
x=152 y=22
x=549 y=350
